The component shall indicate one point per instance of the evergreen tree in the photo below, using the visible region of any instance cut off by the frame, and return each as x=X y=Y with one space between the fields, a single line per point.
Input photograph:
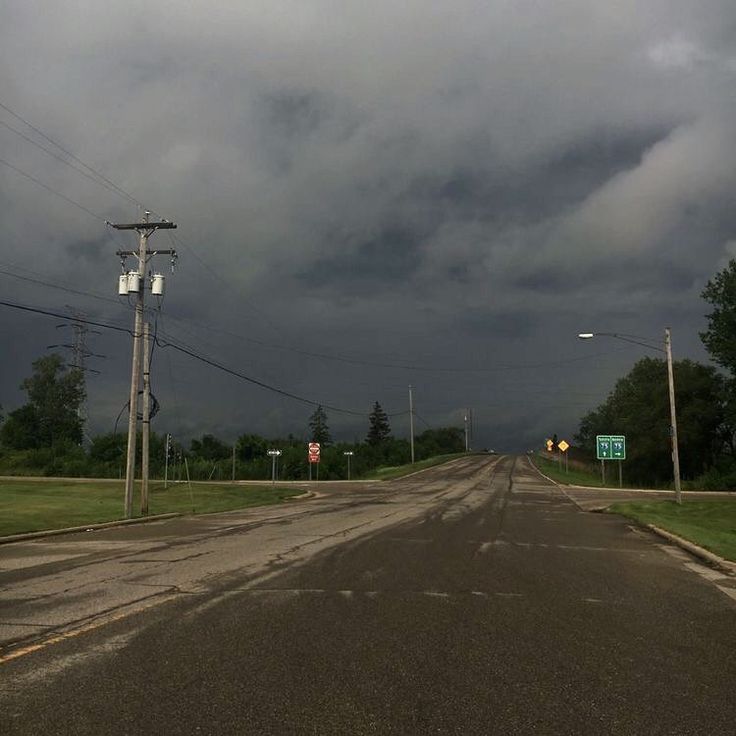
x=379 y=429
x=318 y=429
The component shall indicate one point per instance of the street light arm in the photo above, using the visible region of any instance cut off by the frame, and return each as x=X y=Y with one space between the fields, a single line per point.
x=667 y=350
x=633 y=339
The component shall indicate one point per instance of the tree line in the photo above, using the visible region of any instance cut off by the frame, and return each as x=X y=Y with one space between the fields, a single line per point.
x=705 y=396
x=45 y=437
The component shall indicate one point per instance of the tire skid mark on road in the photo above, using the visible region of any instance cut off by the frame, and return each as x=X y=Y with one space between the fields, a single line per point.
x=350 y=594
x=64 y=662
x=98 y=622
x=419 y=494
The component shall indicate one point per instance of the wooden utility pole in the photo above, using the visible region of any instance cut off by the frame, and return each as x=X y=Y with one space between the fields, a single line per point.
x=144 y=229
x=146 y=428
x=673 y=413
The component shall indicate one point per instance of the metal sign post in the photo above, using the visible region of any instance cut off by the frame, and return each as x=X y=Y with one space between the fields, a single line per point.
x=348 y=454
x=313 y=455
x=563 y=446
x=611 y=447
x=273 y=454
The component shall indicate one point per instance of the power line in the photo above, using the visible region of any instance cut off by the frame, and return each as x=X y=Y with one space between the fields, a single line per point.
x=111 y=186
x=422 y=419
x=397 y=366
x=94 y=179
x=67 y=289
x=187 y=246
x=88 y=211
x=102 y=178
x=323 y=356
x=256 y=382
x=49 y=313
x=201 y=358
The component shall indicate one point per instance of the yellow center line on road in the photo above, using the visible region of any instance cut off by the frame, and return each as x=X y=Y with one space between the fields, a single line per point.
x=97 y=624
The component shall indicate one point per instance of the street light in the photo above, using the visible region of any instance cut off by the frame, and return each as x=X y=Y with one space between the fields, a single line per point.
x=667 y=350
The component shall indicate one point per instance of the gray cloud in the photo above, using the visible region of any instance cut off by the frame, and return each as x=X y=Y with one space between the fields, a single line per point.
x=424 y=184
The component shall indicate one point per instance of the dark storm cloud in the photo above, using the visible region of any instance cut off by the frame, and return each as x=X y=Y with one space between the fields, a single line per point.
x=392 y=256
x=94 y=252
x=420 y=181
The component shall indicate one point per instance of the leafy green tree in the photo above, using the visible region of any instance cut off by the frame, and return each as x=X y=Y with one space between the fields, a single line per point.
x=108 y=448
x=440 y=441
x=720 y=337
x=638 y=407
x=20 y=431
x=251 y=446
x=318 y=429
x=210 y=448
x=379 y=429
x=51 y=416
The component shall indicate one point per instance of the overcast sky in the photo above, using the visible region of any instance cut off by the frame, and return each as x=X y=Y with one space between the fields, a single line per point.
x=428 y=193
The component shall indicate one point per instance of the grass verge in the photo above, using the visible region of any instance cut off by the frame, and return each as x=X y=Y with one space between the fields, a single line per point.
x=574 y=477
x=709 y=524
x=397 y=471
x=27 y=506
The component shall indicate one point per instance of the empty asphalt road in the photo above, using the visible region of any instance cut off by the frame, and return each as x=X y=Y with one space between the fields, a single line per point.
x=474 y=598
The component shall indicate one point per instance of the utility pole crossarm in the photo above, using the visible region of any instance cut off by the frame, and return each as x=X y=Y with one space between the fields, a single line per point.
x=124 y=253
x=141 y=226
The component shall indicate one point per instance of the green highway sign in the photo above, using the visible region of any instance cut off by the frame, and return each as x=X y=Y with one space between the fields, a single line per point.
x=610 y=447
x=603 y=446
x=618 y=447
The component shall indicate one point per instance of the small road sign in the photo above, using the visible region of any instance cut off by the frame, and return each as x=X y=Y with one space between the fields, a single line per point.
x=550 y=445
x=564 y=446
x=274 y=453
x=314 y=451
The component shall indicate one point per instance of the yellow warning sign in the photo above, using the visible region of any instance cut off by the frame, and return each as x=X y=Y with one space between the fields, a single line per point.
x=564 y=446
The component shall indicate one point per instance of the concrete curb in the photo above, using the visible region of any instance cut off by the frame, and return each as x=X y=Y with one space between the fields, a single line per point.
x=560 y=487
x=302 y=496
x=705 y=555
x=86 y=527
x=120 y=522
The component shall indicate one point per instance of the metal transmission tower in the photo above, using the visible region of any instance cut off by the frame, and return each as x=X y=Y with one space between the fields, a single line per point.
x=78 y=348
x=134 y=282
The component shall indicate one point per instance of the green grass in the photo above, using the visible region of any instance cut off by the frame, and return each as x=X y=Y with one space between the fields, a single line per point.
x=397 y=471
x=710 y=524
x=575 y=476
x=27 y=506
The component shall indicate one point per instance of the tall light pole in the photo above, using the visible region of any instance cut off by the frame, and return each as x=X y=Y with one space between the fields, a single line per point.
x=411 y=423
x=667 y=350
x=467 y=444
